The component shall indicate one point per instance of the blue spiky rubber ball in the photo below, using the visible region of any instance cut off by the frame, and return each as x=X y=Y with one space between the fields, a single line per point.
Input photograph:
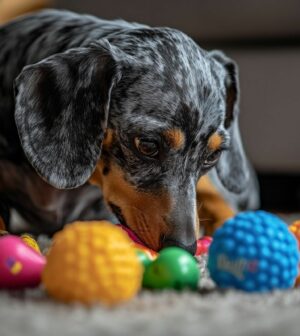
x=255 y=252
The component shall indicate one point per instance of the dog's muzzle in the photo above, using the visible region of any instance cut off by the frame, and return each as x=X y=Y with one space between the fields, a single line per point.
x=182 y=220
x=182 y=228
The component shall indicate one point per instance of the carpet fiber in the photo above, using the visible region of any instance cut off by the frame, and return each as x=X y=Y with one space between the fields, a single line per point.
x=207 y=312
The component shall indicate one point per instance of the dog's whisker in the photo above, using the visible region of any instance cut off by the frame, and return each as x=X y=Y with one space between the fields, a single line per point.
x=205 y=219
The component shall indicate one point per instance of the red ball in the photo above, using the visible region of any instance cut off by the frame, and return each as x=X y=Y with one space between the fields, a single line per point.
x=203 y=245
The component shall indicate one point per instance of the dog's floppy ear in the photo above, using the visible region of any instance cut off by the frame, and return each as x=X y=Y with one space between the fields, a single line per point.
x=61 y=112
x=232 y=168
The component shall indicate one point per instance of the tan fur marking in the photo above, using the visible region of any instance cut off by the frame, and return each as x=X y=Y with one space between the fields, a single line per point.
x=213 y=210
x=96 y=178
x=108 y=138
x=215 y=141
x=143 y=212
x=175 y=138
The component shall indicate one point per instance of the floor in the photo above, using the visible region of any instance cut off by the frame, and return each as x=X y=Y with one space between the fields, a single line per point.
x=207 y=312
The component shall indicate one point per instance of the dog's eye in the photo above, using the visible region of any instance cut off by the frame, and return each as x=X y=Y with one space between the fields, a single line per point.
x=212 y=158
x=147 y=147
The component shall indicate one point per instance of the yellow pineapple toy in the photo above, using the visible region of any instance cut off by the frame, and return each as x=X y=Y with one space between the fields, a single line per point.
x=92 y=262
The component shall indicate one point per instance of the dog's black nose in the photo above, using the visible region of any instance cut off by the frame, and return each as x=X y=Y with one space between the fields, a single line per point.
x=191 y=248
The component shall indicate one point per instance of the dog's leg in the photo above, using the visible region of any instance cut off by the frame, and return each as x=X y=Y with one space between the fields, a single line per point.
x=2 y=226
x=4 y=218
x=213 y=210
x=36 y=207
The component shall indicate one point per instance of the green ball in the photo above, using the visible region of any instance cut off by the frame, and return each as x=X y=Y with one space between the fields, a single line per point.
x=173 y=269
x=143 y=258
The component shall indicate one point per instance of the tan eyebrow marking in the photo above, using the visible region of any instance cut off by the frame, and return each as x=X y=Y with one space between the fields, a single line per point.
x=215 y=141
x=175 y=138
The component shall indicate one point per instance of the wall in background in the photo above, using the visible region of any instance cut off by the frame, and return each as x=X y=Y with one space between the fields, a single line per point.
x=202 y=19
x=263 y=36
x=270 y=106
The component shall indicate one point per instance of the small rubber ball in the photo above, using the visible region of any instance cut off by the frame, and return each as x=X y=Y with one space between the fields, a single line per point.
x=255 y=252
x=92 y=262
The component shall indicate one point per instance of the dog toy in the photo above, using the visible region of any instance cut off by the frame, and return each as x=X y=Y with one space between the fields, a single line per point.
x=150 y=253
x=130 y=234
x=138 y=243
x=30 y=241
x=174 y=268
x=295 y=229
x=27 y=239
x=203 y=245
x=92 y=262
x=143 y=258
x=255 y=252
x=20 y=265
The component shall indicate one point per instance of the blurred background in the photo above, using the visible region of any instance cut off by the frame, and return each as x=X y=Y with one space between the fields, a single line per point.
x=263 y=37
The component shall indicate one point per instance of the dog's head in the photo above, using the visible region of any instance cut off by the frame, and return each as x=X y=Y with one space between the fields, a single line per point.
x=144 y=117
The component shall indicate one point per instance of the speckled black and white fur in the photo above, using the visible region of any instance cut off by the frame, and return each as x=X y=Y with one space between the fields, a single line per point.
x=74 y=76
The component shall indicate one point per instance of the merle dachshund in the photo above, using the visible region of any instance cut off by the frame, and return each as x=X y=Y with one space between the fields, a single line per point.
x=141 y=112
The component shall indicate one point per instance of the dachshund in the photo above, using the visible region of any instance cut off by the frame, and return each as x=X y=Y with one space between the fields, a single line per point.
x=121 y=121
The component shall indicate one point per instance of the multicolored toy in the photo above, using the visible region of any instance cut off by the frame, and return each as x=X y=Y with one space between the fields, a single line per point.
x=174 y=268
x=138 y=243
x=21 y=266
x=30 y=241
x=143 y=258
x=202 y=243
x=152 y=255
x=255 y=252
x=92 y=262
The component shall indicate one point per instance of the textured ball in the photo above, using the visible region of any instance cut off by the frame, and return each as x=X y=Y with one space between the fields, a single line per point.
x=255 y=252
x=92 y=262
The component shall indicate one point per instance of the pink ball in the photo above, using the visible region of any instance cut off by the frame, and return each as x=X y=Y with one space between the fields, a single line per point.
x=20 y=265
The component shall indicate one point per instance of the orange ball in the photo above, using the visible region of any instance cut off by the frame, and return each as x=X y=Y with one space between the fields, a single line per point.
x=92 y=262
x=295 y=229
